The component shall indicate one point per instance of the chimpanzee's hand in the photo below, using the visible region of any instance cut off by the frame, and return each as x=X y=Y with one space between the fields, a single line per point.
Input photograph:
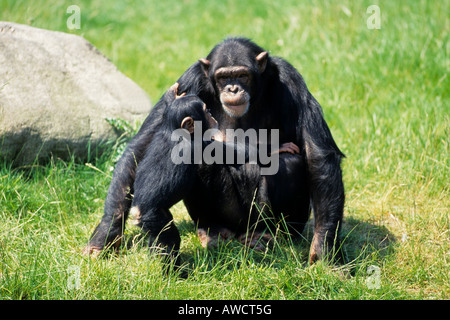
x=290 y=147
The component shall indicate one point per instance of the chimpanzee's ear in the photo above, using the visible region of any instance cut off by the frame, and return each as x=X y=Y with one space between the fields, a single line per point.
x=188 y=124
x=173 y=92
x=261 y=60
x=204 y=63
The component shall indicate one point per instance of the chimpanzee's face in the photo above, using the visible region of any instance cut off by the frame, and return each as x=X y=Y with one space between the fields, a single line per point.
x=193 y=110
x=235 y=84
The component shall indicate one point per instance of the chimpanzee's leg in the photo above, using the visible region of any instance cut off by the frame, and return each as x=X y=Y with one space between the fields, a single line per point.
x=164 y=237
x=281 y=201
x=211 y=236
x=257 y=224
x=289 y=194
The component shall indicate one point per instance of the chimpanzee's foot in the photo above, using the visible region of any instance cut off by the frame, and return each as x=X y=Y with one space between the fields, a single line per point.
x=135 y=216
x=325 y=248
x=210 y=238
x=94 y=251
x=256 y=240
x=91 y=251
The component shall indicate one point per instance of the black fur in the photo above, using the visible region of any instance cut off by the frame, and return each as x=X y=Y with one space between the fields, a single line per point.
x=159 y=182
x=279 y=100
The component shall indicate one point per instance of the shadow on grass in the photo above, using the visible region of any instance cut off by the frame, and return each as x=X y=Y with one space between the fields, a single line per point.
x=363 y=239
x=362 y=242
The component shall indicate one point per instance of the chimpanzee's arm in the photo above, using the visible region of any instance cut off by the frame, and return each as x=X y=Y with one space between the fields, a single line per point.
x=118 y=199
x=322 y=156
x=323 y=160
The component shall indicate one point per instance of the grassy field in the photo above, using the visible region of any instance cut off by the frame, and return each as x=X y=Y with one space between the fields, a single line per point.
x=385 y=95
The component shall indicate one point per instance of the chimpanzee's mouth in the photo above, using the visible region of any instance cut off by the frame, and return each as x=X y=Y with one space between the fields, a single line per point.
x=237 y=100
x=235 y=105
x=236 y=111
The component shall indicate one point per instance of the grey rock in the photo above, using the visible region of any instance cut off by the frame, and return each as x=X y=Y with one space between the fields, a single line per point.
x=56 y=92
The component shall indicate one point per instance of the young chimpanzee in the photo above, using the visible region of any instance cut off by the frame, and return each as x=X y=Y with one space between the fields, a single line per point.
x=161 y=181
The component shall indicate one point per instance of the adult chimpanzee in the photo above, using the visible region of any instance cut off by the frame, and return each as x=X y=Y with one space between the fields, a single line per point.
x=246 y=88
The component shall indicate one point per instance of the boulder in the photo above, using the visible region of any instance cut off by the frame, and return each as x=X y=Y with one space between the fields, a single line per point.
x=56 y=92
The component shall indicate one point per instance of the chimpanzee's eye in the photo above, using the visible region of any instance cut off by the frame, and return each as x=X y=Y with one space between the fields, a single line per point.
x=243 y=77
x=221 y=80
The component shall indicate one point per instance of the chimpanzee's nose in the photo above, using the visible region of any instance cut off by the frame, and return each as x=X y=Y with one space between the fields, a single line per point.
x=233 y=88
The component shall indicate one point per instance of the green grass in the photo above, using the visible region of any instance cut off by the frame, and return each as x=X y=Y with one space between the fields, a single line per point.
x=385 y=95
